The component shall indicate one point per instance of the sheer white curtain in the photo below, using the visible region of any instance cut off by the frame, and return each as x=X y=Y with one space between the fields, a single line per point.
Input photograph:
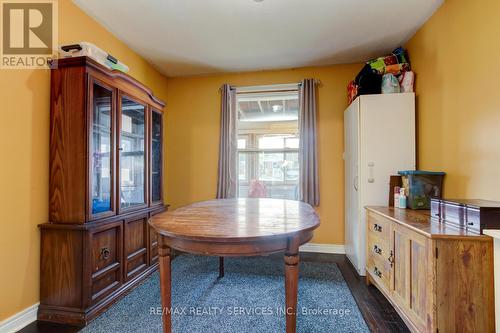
x=227 y=173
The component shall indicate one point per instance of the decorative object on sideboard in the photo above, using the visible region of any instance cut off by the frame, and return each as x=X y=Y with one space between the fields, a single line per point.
x=474 y=215
x=402 y=198
x=395 y=182
x=420 y=186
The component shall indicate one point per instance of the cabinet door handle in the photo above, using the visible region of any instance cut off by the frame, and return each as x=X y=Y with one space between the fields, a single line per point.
x=377 y=227
x=391 y=258
x=377 y=272
x=371 y=178
x=377 y=249
x=104 y=253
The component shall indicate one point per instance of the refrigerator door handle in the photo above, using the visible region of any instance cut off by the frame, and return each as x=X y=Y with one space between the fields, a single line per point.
x=355 y=183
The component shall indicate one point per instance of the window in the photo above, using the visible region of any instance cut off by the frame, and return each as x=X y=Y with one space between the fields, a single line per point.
x=268 y=144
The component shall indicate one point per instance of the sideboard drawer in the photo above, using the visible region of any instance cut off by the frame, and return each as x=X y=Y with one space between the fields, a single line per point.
x=378 y=248
x=380 y=270
x=379 y=228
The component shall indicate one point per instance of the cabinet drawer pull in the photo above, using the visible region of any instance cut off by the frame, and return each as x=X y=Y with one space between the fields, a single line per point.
x=377 y=227
x=377 y=249
x=104 y=253
x=377 y=272
x=391 y=258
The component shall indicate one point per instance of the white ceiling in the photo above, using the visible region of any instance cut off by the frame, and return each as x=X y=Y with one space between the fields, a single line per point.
x=189 y=37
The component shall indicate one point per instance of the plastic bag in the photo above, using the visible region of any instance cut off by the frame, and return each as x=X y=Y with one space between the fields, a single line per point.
x=390 y=84
x=352 y=91
x=406 y=82
x=368 y=81
x=395 y=63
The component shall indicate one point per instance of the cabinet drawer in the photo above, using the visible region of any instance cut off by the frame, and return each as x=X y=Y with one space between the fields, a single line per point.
x=453 y=213
x=106 y=259
x=378 y=248
x=473 y=220
x=379 y=227
x=136 y=246
x=380 y=270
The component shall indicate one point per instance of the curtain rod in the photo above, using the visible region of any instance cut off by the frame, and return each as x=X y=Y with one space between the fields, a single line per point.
x=264 y=91
x=317 y=81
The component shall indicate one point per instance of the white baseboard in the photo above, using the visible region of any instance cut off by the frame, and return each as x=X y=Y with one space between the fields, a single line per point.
x=19 y=320
x=322 y=248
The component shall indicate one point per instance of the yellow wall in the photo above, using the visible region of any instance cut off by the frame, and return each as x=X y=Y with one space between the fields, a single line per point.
x=192 y=134
x=453 y=54
x=24 y=143
x=455 y=57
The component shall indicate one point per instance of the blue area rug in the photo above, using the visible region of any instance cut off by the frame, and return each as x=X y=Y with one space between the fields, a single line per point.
x=250 y=298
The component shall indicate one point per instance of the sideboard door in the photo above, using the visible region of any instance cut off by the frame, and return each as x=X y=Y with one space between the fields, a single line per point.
x=136 y=257
x=401 y=265
x=412 y=275
x=106 y=263
x=420 y=279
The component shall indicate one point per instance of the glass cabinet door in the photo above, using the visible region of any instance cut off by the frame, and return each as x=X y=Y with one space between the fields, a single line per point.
x=156 y=156
x=101 y=150
x=132 y=154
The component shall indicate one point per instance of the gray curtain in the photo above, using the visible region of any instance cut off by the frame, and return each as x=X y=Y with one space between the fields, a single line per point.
x=308 y=176
x=226 y=182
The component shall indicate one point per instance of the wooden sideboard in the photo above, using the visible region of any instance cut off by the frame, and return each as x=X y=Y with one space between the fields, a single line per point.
x=438 y=278
x=105 y=183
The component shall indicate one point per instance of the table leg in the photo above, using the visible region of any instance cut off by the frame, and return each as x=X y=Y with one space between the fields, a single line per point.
x=291 y=284
x=164 y=253
x=221 y=267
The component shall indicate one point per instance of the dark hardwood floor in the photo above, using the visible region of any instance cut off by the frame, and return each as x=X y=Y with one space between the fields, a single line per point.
x=379 y=314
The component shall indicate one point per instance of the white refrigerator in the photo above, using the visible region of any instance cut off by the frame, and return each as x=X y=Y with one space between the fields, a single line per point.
x=379 y=141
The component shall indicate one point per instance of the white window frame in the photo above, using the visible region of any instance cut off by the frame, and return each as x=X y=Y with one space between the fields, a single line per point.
x=252 y=137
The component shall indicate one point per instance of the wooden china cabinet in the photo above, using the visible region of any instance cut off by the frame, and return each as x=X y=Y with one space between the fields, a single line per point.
x=105 y=183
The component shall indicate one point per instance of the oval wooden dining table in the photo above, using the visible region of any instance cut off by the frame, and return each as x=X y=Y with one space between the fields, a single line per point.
x=236 y=227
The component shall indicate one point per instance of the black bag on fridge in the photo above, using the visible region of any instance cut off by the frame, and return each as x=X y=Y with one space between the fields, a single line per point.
x=368 y=81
